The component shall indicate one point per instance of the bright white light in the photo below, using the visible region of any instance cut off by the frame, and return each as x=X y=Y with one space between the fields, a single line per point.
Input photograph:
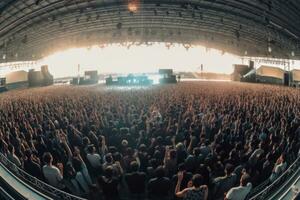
x=138 y=59
x=155 y=78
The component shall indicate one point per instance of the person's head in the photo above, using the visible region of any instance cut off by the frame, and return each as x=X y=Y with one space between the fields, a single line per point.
x=282 y=158
x=47 y=158
x=229 y=169
x=109 y=158
x=28 y=153
x=11 y=149
x=91 y=149
x=160 y=172
x=245 y=179
x=142 y=148
x=86 y=141
x=197 y=151
x=181 y=167
x=124 y=143
x=197 y=180
x=173 y=154
x=134 y=166
x=159 y=140
x=129 y=151
x=179 y=147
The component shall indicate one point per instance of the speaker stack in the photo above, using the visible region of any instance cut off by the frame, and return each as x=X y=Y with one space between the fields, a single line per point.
x=48 y=78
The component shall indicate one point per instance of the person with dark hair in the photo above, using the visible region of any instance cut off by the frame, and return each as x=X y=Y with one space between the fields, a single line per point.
x=240 y=192
x=187 y=176
x=12 y=156
x=192 y=162
x=109 y=184
x=195 y=191
x=93 y=158
x=136 y=181
x=52 y=174
x=224 y=184
x=82 y=176
x=31 y=166
x=159 y=187
x=170 y=162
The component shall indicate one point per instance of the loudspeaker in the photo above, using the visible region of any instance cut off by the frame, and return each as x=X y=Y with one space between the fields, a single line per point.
x=251 y=64
x=286 y=79
x=48 y=78
x=35 y=78
x=2 y=81
x=165 y=71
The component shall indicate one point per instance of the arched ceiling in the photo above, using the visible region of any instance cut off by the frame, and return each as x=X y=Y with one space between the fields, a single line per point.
x=31 y=29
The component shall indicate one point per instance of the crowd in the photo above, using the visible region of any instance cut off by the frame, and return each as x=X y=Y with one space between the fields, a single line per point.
x=189 y=141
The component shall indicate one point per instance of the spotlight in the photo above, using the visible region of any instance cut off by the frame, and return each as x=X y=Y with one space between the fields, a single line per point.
x=133 y=5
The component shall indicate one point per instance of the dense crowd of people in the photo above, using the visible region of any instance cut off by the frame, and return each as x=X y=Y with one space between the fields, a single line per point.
x=204 y=140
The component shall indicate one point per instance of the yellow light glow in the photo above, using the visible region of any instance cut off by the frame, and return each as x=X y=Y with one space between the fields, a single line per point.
x=116 y=58
x=133 y=5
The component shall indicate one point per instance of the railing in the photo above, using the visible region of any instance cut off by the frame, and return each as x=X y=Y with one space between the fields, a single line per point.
x=259 y=194
x=37 y=184
x=5 y=195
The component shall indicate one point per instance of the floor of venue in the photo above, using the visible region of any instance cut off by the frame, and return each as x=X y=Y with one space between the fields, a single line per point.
x=244 y=125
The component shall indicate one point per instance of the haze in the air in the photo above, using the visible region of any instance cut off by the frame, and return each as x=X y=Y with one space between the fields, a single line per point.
x=139 y=59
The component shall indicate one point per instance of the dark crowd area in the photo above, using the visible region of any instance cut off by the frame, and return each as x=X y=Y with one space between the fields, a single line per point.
x=191 y=141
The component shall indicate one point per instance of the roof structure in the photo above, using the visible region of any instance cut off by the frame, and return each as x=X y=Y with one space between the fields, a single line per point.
x=32 y=29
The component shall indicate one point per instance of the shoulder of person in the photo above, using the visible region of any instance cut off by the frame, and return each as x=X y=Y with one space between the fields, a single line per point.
x=142 y=173
x=249 y=185
x=187 y=189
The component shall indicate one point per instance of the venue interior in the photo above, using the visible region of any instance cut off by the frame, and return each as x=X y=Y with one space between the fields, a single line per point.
x=150 y=99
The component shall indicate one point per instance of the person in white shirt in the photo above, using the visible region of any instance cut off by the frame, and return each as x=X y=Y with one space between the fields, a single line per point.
x=279 y=168
x=240 y=192
x=93 y=158
x=52 y=174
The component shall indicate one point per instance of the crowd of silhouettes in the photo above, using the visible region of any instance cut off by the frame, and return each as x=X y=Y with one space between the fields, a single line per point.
x=193 y=140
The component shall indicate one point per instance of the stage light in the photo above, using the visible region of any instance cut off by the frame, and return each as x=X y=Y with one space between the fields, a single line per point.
x=138 y=59
x=133 y=6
